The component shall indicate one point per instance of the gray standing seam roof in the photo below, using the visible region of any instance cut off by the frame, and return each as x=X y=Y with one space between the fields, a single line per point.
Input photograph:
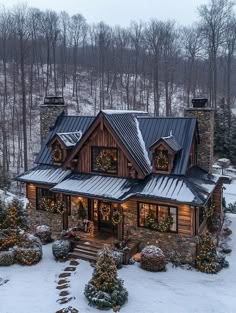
x=125 y=126
x=70 y=139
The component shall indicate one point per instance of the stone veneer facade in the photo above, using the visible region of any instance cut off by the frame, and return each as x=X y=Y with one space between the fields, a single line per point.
x=205 y=117
x=48 y=116
x=174 y=245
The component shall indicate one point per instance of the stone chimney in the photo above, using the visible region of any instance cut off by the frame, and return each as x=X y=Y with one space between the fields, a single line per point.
x=50 y=110
x=205 y=117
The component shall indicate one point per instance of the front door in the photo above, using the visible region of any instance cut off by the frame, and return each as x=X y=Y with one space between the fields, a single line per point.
x=105 y=213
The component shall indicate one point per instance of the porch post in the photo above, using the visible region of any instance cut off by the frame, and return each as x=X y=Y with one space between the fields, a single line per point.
x=120 y=225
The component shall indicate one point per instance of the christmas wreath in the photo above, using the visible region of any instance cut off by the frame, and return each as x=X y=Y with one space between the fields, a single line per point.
x=104 y=160
x=161 y=160
x=57 y=154
x=116 y=218
x=162 y=226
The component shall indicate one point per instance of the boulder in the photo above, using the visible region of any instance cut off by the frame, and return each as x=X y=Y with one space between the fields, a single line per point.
x=61 y=249
x=7 y=258
x=152 y=259
x=43 y=232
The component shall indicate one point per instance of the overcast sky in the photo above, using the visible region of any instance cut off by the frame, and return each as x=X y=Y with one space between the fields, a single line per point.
x=121 y=12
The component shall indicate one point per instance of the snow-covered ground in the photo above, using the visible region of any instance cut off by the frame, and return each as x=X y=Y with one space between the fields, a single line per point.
x=33 y=289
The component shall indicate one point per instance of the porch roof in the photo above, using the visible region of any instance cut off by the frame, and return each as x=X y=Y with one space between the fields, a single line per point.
x=97 y=186
x=44 y=174
x=194 y=189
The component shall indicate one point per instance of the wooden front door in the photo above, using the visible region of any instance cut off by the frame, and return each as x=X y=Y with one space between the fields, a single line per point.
x=105 y=211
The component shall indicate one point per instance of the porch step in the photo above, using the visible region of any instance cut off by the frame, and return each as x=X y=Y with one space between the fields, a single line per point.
x=86 y=251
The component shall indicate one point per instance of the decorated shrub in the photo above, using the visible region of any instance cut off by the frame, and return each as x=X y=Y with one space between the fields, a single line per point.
x=207 y=259
x=61 y=249
x=105 y=290
x=7 y=258
x=29 y=250
x=153 y=259
x=43 y=232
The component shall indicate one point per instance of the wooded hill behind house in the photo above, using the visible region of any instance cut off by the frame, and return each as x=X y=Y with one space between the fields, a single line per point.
x=156 y=66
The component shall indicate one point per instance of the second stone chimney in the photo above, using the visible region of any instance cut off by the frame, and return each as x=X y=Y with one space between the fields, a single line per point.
x=50 y=110
x=205 y=118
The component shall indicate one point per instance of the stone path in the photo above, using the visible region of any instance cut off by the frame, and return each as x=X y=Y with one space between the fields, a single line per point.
x=63 y=286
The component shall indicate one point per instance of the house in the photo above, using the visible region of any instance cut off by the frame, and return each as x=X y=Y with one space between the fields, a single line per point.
x=132 y=175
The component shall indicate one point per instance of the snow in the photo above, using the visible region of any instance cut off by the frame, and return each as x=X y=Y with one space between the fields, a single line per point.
x=123 y=112
x=142 y=143
x=230 y=192
x=33 y=289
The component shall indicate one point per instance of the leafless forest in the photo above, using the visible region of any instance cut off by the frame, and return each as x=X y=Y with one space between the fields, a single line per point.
x=150 y=66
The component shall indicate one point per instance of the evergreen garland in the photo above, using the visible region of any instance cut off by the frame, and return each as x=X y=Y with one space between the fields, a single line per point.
x=161 y=226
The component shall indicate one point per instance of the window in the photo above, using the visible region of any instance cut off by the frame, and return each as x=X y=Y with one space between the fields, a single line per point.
x=104 y=160
x=161 y=160
x=52 y=196
x=159 y=212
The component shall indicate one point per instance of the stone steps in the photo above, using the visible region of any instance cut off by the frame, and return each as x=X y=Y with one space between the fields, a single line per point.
x=86 y=251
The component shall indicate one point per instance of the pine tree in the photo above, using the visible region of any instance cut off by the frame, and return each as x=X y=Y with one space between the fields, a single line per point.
x=105 y=289
x=206 y=260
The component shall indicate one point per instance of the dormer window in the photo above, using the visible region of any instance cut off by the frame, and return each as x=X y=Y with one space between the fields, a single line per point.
x=57 y=153
x=161 y=160
x=164 y=151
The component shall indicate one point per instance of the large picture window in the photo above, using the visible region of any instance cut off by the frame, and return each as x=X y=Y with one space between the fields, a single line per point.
x=160 y=214
x=53 y=197
x=104 y=160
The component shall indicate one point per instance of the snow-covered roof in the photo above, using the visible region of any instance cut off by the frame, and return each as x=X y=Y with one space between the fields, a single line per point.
x=45 y=174
x=170 y=141
x=70 y=139
x=96 y=186
x=123 y=112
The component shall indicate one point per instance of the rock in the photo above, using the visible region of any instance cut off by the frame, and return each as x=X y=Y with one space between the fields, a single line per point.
x=62 y=281
x=65 y=300
x=70 y=269
x=226 y=250
x=70 y=309
x=153 y=259
x=64 y=293
x=74 y=263
x=7 y=258
x=227 y=232
x=61 y=249
x=43 y=232
x=60 y=287
x=63 y=275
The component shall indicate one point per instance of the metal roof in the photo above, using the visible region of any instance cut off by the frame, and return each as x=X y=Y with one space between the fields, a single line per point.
x=64 y=124
x=70 y=139
x=159 y=187
x=45 y=174
x=137 y=132
x=96 y=186
x=126 y=126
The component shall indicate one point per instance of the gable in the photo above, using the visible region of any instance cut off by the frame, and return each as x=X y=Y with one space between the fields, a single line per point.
x=100 y=134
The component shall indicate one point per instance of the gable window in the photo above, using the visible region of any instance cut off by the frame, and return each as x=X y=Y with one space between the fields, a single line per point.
x=104 y=160
x=161 y=160
x=159 y=213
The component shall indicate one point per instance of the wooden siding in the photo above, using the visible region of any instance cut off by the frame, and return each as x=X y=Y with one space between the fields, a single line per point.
x=31 y=194
x=102 y=138
x=186 y=215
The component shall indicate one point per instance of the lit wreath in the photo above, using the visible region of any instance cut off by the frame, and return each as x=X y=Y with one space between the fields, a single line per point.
x=161 y=160
x=57 y=154
x=116 y=218
x=104 y=160
x=162 y=226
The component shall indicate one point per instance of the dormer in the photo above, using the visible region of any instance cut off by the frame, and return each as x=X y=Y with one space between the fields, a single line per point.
x=62 y=144
x=164 y=151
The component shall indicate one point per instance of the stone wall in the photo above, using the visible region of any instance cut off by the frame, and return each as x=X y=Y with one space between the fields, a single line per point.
x=172 y=244
x=54 y=221
x=205 y=117
x=48 y=116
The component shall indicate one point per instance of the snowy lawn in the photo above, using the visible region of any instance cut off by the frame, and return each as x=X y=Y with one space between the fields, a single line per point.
x=230 y=192
x=33 y=289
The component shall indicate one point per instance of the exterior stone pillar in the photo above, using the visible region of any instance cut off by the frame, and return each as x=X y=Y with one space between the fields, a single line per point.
x=205 y=117
x=50 y=110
